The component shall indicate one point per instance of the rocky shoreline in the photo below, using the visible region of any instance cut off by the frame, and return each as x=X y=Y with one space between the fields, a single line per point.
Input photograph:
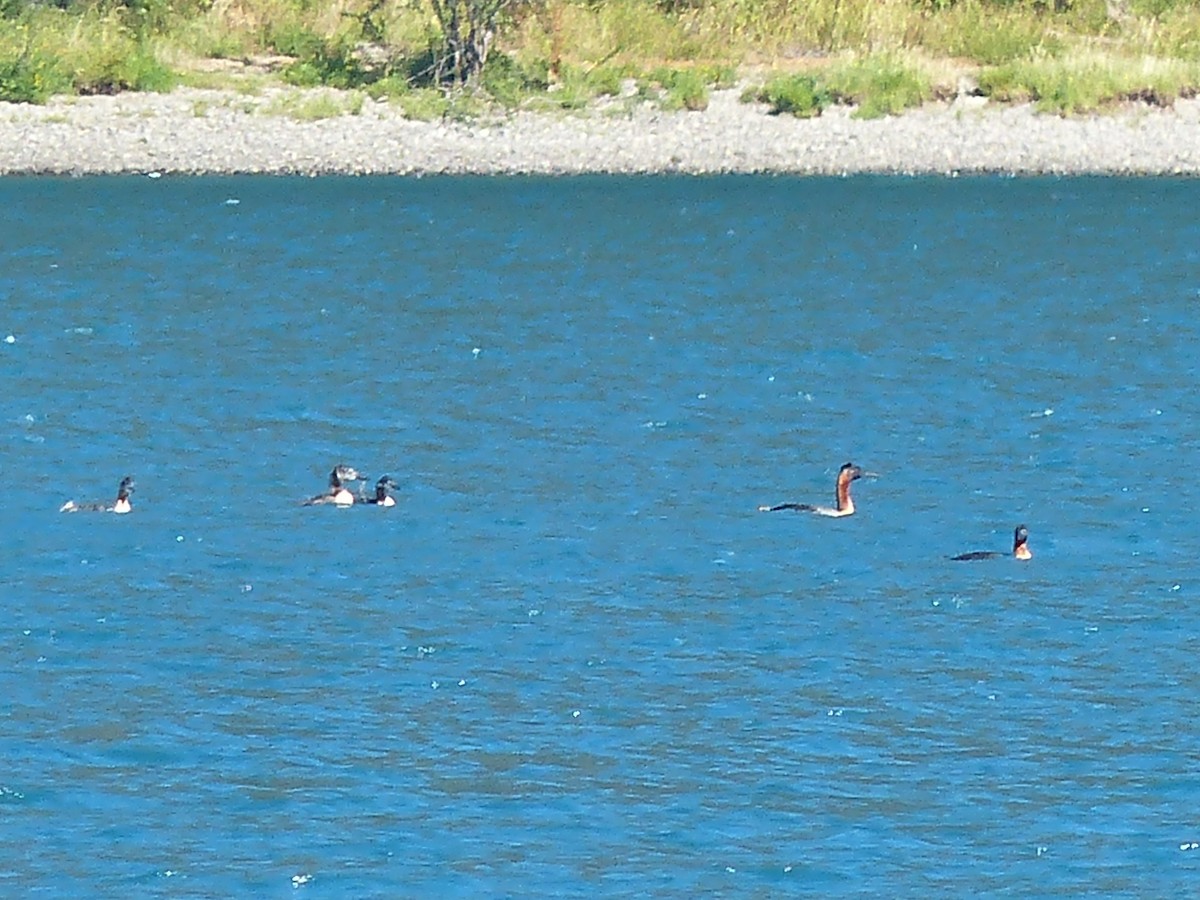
x=192 y=131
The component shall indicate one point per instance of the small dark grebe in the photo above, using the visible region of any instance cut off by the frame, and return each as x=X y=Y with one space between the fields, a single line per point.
x=1020 y=548
x=382 y=497
x=120 y=505
x=338 y=494
x=845 y=506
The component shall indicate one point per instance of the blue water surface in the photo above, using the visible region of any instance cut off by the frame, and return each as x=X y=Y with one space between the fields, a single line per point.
x=574 y=659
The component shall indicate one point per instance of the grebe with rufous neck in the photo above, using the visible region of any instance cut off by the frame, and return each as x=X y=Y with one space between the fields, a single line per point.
x=1020 y=548
x=847 y=474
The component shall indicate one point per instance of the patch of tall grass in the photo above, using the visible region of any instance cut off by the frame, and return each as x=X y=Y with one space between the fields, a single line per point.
x=801 y=95
x=48 y=51
x=308 y=106
x=422 y=104
x=878 y=85
x=1088 y=82
x=682 y=88
x=618 y=32
x=983 y=34
x=509 y=83
x=30 y=77
x=331 y=63
x=783 y=27
x=1174 y=34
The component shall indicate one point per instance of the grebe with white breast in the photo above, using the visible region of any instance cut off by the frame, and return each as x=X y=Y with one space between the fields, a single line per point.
x=338 y=494
x=844 y=504
x=382 y=497
x=120 y=505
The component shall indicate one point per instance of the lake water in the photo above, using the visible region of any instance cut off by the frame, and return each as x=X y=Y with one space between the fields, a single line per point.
x=574 y=659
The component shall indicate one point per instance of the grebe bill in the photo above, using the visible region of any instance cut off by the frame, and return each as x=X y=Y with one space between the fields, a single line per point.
x=1020 y=549
x=847 y=474
x=121 y=505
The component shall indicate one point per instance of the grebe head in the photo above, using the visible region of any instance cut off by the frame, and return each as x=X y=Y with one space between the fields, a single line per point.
x=1020 y=540
x=342 y=474
x=382 y=497
x=849 y=472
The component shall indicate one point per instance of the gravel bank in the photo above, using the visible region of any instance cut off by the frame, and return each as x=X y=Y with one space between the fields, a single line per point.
x=194 y=131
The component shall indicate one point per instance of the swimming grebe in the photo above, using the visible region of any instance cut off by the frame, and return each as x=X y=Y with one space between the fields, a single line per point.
x=1020 y=548
x=120 y=505
x=845 y=506
x=338 y=494
x=382 y=497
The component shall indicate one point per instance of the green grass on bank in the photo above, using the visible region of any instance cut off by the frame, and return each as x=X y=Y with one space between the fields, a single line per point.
x=877 y=85
x=883 y=56
x=47 y=51
x=1088 y=82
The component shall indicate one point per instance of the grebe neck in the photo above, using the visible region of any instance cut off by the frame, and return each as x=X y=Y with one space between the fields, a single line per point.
x=843 y=503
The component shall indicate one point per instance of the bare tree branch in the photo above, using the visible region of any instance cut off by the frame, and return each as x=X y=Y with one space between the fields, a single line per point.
x=468 y=28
